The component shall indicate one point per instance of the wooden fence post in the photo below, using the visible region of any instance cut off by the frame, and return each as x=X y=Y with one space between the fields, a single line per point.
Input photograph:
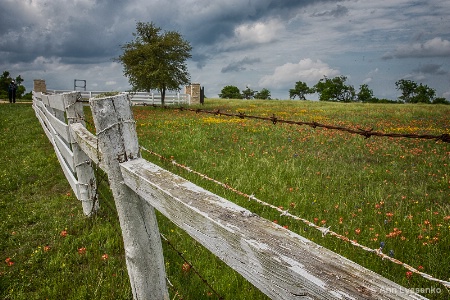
x=117 y=139
x=83 y=165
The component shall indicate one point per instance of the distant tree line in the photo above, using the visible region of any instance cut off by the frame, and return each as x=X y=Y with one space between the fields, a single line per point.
x=233 y=92
x=336 y=89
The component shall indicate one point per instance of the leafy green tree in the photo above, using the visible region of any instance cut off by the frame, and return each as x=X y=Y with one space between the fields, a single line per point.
x=423 y=94
x=300 y=90
x=365 y=94
x=335 y=89
x=230 y=92
x=155 y=59
x=248 y=93
x=408 y=88
x=264 y=94
x=440 y=100
x=5 y=80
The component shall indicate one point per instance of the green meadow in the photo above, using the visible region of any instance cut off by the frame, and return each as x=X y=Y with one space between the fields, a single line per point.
x=389 y=193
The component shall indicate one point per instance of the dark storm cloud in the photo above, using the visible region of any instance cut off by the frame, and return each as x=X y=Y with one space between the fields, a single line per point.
x=339 y=11
x=432 y=69
x=240 y=65
x=213 y=24
x=61 y=29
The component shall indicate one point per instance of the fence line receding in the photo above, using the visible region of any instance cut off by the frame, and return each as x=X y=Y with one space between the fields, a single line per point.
x=280 y=263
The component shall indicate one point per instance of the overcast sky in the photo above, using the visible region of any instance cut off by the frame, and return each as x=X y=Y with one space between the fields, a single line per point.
x=257 y=43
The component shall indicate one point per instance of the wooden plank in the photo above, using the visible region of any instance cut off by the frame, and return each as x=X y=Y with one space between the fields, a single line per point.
x=65 y=151
x=60 y=127
x=43 y=119
x=56 y=102
x=280 y=263
x=68 y=173
x=87 y=142
x=44 y=99
x=50 y=132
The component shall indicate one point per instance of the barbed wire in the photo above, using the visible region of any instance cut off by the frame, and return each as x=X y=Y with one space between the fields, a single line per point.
x=367 y=133
x=323 y=230
x=191 y=267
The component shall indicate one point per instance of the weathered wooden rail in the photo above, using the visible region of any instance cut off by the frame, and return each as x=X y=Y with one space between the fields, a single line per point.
x=282 y=264
x=138 y=97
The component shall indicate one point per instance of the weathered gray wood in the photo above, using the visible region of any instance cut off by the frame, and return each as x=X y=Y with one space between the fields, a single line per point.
x=88 y=143
x=52 y=136
x=56 y=102
x=66 y=153
x=42 y=119
x=277 y=261
x=60 y=127
x=117 y=140
x=67 y=172
x=82 y=164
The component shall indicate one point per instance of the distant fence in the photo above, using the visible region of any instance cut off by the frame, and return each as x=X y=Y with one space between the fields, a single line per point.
x=138 y=97
x=280 y=263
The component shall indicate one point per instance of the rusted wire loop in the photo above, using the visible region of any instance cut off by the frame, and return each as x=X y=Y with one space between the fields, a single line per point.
x=241 y=115
x=444 y=137
x=366 y=133
x=274 y=119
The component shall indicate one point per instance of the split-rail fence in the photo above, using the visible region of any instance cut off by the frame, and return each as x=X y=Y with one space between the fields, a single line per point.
x=280 y=263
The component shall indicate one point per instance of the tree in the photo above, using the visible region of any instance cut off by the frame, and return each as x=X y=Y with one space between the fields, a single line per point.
x=423 y=94
x=5 y=80
x=230 y=92
x=335 y=89
x=407 y=87
x=248 y=93
x=365 y=94
x=301 y=89
x=440 y=100
x=155 y=59
x=264 y=94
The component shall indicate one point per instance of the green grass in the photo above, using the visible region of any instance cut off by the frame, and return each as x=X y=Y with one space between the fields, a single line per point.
x=394 y=191
x=36 y=205
x=366 y=189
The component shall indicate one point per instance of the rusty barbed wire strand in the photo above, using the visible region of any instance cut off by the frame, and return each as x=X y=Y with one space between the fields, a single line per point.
x=191 y=267
x=323 y=230
x=445 y=137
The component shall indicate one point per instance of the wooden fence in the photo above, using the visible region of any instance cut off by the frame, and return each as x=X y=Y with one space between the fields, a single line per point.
x=138 y=97
x=280 y=263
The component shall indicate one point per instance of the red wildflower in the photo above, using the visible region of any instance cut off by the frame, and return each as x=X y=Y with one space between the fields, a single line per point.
x=9 y=262
x=82 y=251
x=186 y=267
x=105 y=256
x=63 y=233
x=409 y=274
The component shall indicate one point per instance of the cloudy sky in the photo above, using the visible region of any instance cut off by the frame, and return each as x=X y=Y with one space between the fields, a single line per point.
x=257 y=43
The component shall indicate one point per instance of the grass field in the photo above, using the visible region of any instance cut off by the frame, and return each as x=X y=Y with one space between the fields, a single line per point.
x=384 y=192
